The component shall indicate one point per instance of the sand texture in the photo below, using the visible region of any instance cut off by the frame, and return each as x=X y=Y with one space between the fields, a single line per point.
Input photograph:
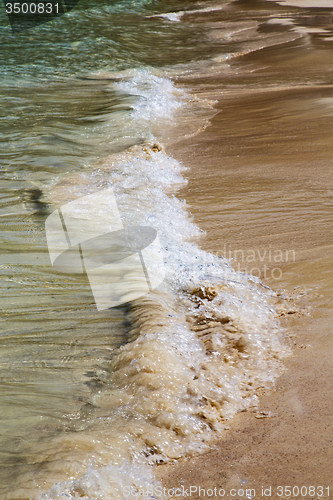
x=260 y=185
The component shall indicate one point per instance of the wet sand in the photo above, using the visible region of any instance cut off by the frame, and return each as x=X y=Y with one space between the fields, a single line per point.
x=260 y=185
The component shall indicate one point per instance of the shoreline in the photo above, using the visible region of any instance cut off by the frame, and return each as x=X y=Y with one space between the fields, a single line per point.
x=259 y=179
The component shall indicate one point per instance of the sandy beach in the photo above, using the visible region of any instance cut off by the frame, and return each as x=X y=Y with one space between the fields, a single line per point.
x=260 y=185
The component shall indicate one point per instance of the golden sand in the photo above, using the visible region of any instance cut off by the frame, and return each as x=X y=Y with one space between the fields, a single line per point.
x=260 y=185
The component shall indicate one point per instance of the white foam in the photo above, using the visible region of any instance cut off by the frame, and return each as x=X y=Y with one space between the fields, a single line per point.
x=158 y=97
x=200 y=346
x=109 y=482
x=170 y=16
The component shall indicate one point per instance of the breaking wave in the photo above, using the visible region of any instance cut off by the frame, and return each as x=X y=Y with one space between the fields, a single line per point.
x=198 y=348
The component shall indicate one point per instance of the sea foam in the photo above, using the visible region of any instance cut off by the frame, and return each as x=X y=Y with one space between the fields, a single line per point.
x=198 y=347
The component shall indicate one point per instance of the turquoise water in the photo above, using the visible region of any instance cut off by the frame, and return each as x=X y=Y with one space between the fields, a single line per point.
x=99 y=36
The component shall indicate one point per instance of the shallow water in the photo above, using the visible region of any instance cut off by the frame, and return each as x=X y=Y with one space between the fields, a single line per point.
x=195 y=351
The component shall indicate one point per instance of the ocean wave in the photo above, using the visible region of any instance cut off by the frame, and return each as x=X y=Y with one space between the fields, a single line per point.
x=198 y=348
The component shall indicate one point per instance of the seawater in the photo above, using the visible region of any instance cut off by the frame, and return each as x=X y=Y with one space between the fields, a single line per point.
x=92 y=400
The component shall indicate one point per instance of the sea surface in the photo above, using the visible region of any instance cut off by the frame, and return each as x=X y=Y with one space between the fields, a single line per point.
x=92 y=400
